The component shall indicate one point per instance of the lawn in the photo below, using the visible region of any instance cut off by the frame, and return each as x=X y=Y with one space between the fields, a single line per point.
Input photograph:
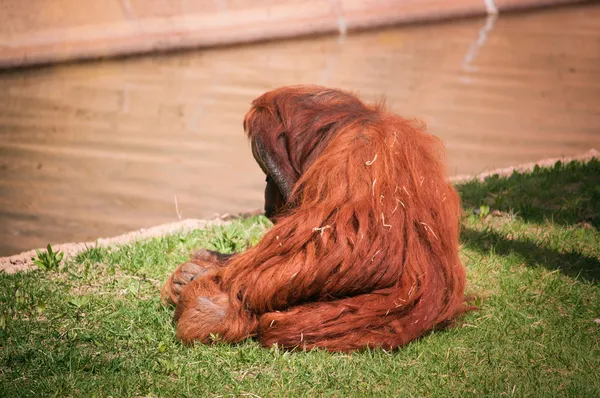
x=531 y=244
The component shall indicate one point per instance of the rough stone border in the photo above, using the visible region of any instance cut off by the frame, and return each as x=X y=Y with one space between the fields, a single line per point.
x=23 y=262
x=525 y=167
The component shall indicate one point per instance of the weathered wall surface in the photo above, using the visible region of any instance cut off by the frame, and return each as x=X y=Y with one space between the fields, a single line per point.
x=45 y=31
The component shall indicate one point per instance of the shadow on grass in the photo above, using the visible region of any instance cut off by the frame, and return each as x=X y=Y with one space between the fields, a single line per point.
x=572 y=264
x=566 y=194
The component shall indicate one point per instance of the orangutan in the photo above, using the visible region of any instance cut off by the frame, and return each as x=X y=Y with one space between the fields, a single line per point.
x=364 y=247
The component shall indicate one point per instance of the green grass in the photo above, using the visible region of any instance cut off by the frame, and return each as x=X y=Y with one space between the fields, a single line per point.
x=48 y=260
x=96 y=326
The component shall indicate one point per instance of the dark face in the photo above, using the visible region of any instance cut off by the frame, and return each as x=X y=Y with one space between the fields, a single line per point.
x=274 y=201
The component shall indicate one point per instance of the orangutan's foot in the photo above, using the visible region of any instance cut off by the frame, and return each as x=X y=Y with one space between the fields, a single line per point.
x=201 y=311
x=205 y=313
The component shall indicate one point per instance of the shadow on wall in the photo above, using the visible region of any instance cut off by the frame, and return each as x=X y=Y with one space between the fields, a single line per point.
x=561 y=197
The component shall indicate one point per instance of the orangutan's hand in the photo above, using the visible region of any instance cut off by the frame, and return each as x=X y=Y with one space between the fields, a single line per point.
x=184 y=274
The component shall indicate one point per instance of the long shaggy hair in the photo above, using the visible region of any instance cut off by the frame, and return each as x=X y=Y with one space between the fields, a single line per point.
x=364 y=249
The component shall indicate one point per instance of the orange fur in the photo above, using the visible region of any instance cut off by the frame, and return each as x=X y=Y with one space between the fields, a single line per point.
x=364 y=253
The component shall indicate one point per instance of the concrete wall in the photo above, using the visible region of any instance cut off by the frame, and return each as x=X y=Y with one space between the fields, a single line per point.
x=45 y=31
